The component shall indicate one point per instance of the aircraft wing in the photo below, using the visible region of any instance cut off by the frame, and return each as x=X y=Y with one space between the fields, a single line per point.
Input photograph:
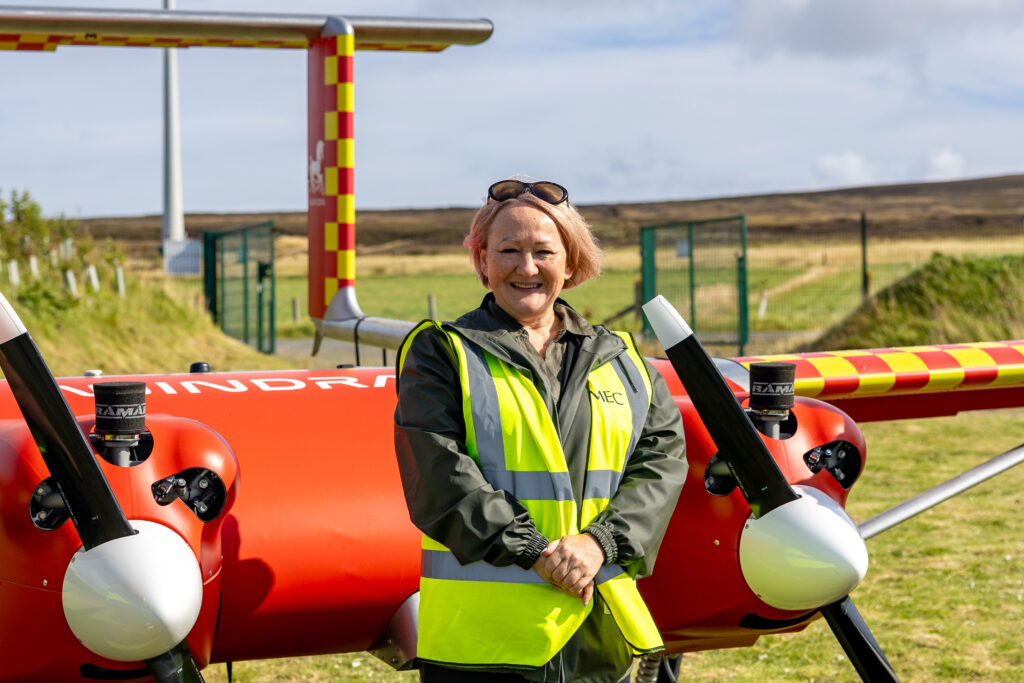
x=44 y=28
x=918 y=381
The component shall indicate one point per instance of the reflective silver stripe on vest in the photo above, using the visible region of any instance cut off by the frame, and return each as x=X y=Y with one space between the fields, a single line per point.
x=601 y=483
x=530 y=485
x=441 y=564
x=604 y=483
x=540 y=485
x=608 y=572
x=639 y=401
x=487 y=418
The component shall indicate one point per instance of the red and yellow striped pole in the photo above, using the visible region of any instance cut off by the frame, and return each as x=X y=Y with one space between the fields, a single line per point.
x=332 y=217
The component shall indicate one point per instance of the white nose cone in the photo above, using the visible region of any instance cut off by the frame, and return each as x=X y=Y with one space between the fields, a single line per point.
x=135 y=597
x=804 y=554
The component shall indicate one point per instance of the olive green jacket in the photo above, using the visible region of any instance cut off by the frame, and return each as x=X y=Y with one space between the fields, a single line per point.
x=447 y=495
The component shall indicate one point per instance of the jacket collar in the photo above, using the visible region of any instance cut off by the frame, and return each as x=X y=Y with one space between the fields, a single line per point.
x=491 y=328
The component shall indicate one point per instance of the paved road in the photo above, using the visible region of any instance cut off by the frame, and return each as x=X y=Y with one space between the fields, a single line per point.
x=332 y=353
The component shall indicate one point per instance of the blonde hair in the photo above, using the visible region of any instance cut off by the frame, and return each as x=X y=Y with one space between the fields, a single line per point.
x=582 y=254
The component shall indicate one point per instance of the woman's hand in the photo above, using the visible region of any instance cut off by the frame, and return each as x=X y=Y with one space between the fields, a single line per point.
x=570 y=564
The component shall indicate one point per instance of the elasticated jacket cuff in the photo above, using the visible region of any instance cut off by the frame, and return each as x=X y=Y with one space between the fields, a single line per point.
x=534 y=547
x=607 y=541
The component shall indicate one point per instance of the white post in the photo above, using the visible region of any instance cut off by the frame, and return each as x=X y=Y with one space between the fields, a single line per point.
x=94 y=280
x=67 y=248
x=33 y=266
x=119 y=276
x=71 y=282
x=12 y=272
x=174 y=221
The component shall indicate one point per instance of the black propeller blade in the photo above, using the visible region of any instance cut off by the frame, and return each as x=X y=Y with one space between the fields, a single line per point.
x=175 y=666
x=756 y=472
x=94 y=510
x=860 y=646
x=739 y=444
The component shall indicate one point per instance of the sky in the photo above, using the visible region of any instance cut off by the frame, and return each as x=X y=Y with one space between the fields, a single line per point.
x=619 y=102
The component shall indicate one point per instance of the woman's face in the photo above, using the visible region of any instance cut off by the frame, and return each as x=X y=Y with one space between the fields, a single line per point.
x=525 y=263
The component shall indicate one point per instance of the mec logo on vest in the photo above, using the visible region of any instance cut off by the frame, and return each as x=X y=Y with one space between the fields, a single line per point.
x=606 y=396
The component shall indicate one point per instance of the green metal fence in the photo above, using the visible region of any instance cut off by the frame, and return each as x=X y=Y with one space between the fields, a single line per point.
x=238 y=280
x=700 y=267
x=797 y=278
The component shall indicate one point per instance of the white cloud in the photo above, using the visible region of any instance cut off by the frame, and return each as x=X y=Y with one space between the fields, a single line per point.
x=847 y=168
x=945 y=164
x=839 y=28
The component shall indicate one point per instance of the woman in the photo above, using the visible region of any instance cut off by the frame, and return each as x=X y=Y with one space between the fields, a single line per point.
x=541 y=457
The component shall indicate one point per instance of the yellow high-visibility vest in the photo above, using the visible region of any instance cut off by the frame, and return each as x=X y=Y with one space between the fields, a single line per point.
x=479 y=614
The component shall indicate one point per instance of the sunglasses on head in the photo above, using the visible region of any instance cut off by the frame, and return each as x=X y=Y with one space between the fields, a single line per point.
x=552 y=193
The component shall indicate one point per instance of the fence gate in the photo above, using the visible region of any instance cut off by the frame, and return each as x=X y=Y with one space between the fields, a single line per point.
x=238 y=280
x=700 y=267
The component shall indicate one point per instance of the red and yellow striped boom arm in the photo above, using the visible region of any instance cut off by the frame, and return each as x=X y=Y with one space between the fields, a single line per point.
x=46 y=28
x=917 y=381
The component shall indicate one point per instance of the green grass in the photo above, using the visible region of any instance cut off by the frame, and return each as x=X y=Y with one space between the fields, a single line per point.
x=158 y=326
x=806 y=287
x=405 y=297
x=817 y=302
x=949 y=300
x=944 y=594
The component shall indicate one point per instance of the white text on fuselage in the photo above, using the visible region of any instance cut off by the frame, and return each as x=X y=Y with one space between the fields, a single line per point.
x=235 y=385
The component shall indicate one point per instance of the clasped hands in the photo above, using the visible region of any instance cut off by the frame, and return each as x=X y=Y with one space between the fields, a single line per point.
x=570 y=564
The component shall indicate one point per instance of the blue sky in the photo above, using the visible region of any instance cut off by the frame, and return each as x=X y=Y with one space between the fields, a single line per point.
x=620 y=102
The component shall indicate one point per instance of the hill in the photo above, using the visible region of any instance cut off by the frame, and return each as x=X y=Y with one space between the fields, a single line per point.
x=947 y=301
x=984 y=203
x=140 y=333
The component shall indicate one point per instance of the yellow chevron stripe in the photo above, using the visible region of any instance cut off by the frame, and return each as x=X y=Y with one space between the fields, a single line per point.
x=331 y=181
x=346 y=45
x=831 y=366
x=972 y=358
x=330 y=287
x=330 y=125
x=347 y=264
x=1006 y=375
x=346 y=153
x=330 y=237
x=346 y=209
x=330 y=69
x=346 y=97
x=869 y=383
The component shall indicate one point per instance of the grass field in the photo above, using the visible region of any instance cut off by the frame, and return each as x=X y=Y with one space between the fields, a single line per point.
x=405 y=297
x=795 y=290
x=944 y=594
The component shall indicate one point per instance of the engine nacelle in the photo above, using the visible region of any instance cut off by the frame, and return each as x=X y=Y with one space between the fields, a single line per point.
x=183 y=479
